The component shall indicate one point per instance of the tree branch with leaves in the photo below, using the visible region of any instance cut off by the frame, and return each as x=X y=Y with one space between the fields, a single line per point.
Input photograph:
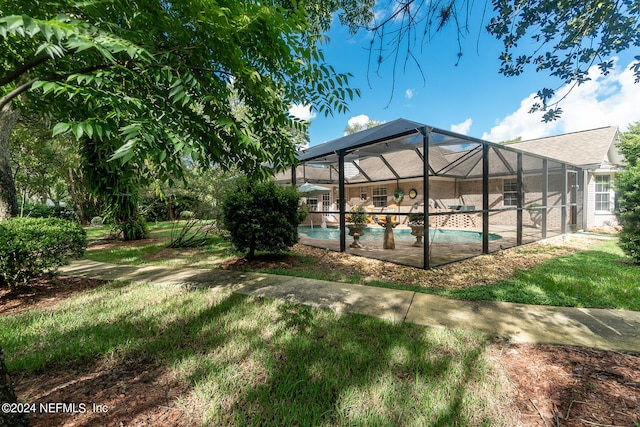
x=158 y=77
x=565 y=39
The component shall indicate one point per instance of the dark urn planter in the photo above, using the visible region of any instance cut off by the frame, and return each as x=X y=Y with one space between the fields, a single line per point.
x=356 y=231
x=418 y=231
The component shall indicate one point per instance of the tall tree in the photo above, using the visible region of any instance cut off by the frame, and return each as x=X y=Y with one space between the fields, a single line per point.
x=8 y=201
x=630 y=144
x=153 y=80
x=7 y=395
x=627 y=186
x=357 y=126
x=34 y=155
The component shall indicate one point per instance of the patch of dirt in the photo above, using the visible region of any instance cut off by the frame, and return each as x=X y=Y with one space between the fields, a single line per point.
x=551 y=385
x=262 y=261
x=138 y=394
x=133 y=395
x=481 y=270
x=572 y=386
x=44 y=292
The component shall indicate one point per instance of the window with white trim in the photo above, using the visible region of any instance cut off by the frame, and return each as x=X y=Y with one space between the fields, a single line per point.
x=380 y=196
x=312 y=204
x=510 y=192
x=603 y=193
x=364 y=194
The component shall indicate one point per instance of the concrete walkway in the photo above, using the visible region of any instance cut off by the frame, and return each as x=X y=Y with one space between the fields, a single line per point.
x=598 y=328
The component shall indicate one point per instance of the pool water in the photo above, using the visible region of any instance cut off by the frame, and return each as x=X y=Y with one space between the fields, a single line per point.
x=376 y=234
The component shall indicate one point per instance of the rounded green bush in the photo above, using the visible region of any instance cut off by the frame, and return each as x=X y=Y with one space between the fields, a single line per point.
x=261 y=216
x=30 y=247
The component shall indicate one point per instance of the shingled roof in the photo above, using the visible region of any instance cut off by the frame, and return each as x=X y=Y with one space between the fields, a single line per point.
x=589 y=149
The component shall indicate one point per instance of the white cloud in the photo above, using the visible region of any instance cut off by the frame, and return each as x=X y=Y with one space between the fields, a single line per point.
x=302 y=112
x=463 y=127
x=362 y=119
x=521 y=123
x=408 y=93
x=379 y=15
x=603 y=101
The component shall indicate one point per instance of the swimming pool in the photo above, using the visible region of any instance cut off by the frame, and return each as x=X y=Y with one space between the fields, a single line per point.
x=376 y=234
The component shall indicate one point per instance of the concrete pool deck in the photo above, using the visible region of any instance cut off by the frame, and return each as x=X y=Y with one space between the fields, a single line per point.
x=597 y=328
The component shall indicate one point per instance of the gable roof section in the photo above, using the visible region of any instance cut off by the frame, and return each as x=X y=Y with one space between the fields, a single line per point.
x=588 y=149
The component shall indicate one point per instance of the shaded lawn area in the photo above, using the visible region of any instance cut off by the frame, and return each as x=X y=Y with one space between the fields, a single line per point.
x=266 y=362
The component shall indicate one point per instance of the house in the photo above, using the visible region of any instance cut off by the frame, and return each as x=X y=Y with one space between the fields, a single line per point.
x=518 y=193
x=596 y=152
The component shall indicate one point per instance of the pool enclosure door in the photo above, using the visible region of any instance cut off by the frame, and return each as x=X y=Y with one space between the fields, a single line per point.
x=573 y=187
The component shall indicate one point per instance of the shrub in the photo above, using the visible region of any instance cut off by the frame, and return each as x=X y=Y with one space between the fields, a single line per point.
x=156 y=208
x=628 y=194
x=97 y=221
x=416 y=219
x=261 y=216
x=126 y=220
x=191 y=234
x=32 y=246
x=40 y=210
x=627 y=188
x=186 y=215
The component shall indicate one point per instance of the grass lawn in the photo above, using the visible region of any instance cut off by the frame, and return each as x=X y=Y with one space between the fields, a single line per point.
x=156 y=229
x=265 y=362
x=600 y=277
x=253 y=361
x=156 y=252
x=597 y=278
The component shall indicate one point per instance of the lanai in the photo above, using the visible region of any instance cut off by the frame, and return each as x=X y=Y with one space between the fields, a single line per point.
x=454 y=182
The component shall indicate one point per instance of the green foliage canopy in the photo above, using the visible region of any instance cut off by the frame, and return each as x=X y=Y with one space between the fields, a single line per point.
x=627 y=187
x=564 y=38
x=157 y=76
x=630 y=144
x=37 y=162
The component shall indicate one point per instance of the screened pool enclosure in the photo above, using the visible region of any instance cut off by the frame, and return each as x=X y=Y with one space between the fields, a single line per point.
x=439 y=197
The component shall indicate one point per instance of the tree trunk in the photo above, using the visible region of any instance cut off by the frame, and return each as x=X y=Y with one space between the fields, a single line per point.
x=8 y=201
x=170 y=212
x=23 y=201
x=8 y=418
x=77 y=196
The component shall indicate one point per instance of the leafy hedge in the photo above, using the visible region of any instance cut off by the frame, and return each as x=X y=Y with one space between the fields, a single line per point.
x=261 y=216
x=32 y=246
x=628 y=191
x=39 y=210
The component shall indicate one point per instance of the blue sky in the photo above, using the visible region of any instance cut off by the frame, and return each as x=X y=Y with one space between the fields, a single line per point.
x=470 y=98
